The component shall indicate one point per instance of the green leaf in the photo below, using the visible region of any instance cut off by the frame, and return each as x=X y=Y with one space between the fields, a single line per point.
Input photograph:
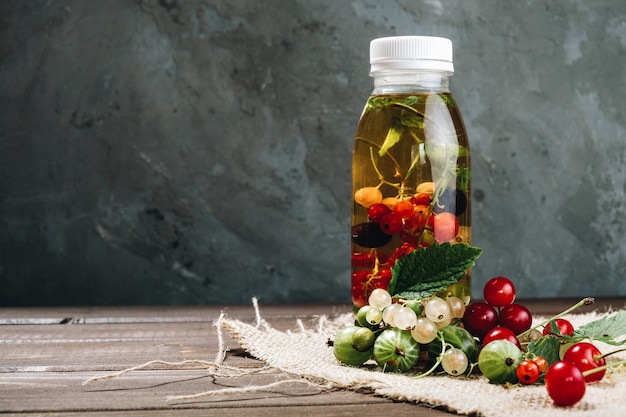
x=463 y=177
x=426 y=271
x=376 y=102
x=412 y=121
x=393 y=137
x=546 y=346
x=607 y=329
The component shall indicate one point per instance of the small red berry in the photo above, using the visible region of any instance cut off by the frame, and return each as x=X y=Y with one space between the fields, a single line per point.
x=586 y=356
x=499 y=291
x=376 y=211
x=391 y=223
x=565 y=328
x=565 y=383
x=528 y=372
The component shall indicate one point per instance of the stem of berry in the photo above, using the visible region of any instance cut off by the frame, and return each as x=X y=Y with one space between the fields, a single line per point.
x=603 y=368
x=584 y=302
x=444 y=347
x=600 y=357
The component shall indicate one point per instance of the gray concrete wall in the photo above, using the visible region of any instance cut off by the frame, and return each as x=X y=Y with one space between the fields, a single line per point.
x=168 y=152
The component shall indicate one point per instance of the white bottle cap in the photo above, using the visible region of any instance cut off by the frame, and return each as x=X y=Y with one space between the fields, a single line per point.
x=411 y=53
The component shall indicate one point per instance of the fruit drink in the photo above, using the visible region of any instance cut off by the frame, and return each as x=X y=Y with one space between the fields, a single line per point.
x=410 y=182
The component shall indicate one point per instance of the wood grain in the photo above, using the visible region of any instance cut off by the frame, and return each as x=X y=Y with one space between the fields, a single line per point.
x=47 y=353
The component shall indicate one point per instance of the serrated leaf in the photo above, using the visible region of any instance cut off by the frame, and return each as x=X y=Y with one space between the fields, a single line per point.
x=607 y=329
x=427 y=271
x=546 y=346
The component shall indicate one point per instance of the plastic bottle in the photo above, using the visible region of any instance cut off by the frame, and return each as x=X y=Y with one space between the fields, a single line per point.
x=411 y=163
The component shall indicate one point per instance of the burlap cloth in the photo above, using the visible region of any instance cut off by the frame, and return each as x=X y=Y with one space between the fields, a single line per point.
x=303 y=352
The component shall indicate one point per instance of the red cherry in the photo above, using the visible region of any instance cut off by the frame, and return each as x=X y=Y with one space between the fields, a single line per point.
x=565 y=328
x=565 y=383
x=500 y=332
x=515 y=317
x=586 y=356
x=479 y=318
x=499 y=291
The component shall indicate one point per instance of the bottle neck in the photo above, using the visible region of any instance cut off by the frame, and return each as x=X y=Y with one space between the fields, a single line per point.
x=397 y=82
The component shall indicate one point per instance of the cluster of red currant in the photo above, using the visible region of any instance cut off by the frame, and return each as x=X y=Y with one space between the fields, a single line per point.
x=412 y=220
x=417 y=220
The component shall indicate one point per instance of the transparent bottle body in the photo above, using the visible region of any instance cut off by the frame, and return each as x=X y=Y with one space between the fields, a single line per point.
x=410 y=179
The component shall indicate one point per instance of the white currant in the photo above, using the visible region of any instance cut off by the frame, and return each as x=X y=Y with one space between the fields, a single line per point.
x=374 y=316
x=425 y=331
x=454 y=361
x=405 y=318
x=388 y=314
x=437 y=310
x=379 y=298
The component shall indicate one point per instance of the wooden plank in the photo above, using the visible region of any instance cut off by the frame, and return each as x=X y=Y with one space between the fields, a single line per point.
x=323 y=410
x=46 y=355
x=147 y=391
x=160 y=314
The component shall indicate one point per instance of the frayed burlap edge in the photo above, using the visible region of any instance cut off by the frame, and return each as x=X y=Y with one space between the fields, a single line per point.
x=303 y=353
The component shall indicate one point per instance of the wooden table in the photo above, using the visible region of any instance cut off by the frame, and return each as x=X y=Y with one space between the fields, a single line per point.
x=47 y=353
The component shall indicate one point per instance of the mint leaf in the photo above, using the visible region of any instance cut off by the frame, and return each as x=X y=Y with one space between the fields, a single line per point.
x=426 y=271
x=606 y=329
x=393 y=137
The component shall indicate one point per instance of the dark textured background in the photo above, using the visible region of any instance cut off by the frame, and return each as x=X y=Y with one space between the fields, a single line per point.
x=170 y=152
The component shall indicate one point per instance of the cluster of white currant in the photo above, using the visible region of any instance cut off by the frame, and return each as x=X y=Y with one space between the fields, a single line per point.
x=422 y=318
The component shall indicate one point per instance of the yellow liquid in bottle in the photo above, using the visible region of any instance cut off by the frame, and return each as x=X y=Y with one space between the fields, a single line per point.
x=410 y=165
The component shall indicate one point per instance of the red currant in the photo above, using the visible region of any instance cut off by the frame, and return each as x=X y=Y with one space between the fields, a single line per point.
x=499 y=291
x=565 y=328
x=368 y=259
x=404 y=249
x=363 y=259
x=528 y=372
x=403 y=208
x=421 y=199
x=391 y=223
x=359 y=278
x=376 y=211
x=565 y=383
x=541 y=362
x=479 y=318
x=417 y=220
x=364 y=282
x=585 y=356
x=515 y=317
